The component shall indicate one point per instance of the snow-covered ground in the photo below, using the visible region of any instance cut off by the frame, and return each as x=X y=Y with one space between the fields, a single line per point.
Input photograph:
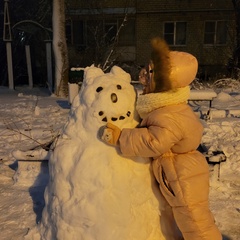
x=24 y=115
x=29 y=118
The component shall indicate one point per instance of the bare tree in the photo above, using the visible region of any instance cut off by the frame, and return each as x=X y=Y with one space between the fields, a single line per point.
x=235 y=64
x=102 y=33
x=60 y=48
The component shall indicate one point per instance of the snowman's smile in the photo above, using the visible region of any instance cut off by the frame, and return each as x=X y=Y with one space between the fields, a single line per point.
x=114 y=118
x=114 y=98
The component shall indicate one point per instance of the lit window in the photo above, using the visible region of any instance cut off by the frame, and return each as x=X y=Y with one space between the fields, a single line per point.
x=175 y=33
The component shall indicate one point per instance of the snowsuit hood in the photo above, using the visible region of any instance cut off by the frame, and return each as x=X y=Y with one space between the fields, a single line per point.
x=171 y=69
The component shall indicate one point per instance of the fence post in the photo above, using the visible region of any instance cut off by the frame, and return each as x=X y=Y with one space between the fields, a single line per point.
x=29 y=66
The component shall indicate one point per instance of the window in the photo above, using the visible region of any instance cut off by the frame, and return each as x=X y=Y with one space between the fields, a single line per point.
x=101 y=32
x=175 y=33
x=127 y=33
x=110 y=31
x=94 y=33
x=78 y=33
x=69 y=31
x=215 y=33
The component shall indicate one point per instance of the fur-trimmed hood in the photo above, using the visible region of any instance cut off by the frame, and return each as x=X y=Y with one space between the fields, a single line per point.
x=171 y=69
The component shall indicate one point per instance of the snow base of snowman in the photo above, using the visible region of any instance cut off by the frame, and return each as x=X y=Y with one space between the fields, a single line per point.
x=93 y=192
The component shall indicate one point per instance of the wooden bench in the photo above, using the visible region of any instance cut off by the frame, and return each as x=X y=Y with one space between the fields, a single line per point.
x=32 y=167
x=203 y=95
x=214 y=159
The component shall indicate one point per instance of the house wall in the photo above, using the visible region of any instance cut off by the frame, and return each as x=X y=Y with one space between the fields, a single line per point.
x=150 y=17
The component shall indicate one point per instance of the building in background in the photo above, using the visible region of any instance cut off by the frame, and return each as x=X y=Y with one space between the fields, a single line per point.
x=204 y=28
x=108 y=32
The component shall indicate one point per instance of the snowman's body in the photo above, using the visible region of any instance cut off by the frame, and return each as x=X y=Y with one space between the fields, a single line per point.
x=94 y=193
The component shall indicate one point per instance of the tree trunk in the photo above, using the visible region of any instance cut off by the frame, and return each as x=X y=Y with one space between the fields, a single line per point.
x=236 y=53
x=60 y=49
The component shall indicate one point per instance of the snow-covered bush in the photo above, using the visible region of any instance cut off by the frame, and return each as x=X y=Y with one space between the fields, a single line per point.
x=220 y=84
x=226 y=83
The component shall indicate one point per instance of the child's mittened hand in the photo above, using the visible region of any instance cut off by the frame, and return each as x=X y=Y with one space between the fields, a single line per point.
x=110 y=134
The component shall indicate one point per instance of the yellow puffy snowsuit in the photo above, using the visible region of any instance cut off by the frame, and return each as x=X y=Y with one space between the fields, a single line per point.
x=171 y=135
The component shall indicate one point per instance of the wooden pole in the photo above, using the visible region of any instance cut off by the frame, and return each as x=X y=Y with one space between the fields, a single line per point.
x=49 y=65
x=29 y=66
x=9 y=64
x=7 y=37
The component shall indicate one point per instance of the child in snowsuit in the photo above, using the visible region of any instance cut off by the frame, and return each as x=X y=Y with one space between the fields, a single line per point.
x=170 y=133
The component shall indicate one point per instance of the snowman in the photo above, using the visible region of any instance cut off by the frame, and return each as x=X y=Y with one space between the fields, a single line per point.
x=93 y=192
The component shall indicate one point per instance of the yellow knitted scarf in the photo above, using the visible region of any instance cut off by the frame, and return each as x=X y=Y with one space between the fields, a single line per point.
x=148 y=102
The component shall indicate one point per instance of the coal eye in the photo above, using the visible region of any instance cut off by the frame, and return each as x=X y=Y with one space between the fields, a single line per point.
x=99 y=89
x=100 y=113
x=119 y=87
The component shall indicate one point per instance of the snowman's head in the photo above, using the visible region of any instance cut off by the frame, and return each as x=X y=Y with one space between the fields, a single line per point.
x=108 y=97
